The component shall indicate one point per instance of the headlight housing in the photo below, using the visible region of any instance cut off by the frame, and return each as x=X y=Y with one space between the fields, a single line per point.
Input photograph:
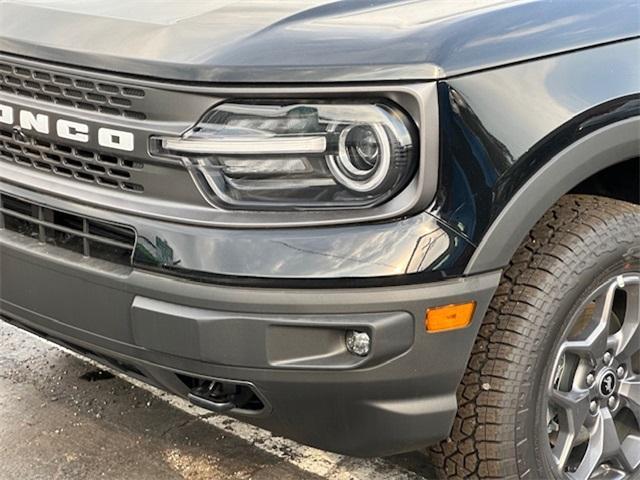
x=289 y=155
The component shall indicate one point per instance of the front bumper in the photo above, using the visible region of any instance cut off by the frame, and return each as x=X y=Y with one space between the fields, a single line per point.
x=285 y=344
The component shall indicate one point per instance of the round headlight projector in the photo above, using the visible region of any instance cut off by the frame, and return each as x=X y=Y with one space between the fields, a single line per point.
x=360 y=148
x=364 y=157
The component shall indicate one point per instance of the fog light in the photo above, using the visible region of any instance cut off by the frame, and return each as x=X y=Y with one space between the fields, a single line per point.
x=358 y=343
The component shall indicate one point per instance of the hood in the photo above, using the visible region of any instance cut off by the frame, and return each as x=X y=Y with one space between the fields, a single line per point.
x=238 y=41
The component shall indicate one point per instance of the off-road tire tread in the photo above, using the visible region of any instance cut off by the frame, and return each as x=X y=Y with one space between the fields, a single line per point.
x=492 y=397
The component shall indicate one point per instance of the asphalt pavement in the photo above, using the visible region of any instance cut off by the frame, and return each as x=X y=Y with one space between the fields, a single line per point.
x=63 y=417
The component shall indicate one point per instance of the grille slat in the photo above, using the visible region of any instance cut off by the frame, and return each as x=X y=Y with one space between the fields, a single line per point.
x=43 y=225
x=84 y=235
x=72 y=91
x=81 y=164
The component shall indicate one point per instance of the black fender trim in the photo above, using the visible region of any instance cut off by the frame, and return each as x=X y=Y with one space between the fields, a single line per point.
x=601 y=149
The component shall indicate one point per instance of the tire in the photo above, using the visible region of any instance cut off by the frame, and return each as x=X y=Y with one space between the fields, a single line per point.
x=500 y=430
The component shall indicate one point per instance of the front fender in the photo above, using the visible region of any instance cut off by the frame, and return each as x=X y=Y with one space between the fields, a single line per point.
x=515 y=139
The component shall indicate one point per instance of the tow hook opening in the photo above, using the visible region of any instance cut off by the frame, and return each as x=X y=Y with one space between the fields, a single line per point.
x=222 y=397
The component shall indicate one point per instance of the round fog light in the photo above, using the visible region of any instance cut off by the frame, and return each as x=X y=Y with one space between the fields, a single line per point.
x=358 y=343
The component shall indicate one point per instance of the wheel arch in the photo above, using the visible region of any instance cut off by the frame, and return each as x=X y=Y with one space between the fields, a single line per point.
x=593 y=153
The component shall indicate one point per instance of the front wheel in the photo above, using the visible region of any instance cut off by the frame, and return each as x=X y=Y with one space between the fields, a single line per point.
x=552 y=389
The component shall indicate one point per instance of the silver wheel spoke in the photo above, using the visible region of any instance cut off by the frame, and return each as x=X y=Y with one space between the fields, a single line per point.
x=597 y=343
x=629 y=392
x=604 y=444
x=628 y=338
x=574 y=410
x=631 y=452
x=612 y=446
x=598 y=339
x=595 y=451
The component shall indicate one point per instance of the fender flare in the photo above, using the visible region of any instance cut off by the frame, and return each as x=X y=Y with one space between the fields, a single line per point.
x=607 y=146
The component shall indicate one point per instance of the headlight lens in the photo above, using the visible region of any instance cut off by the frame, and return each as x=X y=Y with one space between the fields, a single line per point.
x=297 y=156
x=363 y=161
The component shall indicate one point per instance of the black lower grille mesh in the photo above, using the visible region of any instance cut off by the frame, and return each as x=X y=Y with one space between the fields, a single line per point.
x=82 y=165
x=86 y=236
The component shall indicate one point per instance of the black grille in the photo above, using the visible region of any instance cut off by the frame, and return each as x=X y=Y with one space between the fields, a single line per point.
x=86 y=236
x=72 y=91
x=82 y=165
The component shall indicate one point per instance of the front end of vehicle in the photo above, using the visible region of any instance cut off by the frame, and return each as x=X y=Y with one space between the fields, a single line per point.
x=365 y=226
x=264 y=252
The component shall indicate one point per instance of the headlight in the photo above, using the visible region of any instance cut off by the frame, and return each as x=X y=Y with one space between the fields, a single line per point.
x=297 y=156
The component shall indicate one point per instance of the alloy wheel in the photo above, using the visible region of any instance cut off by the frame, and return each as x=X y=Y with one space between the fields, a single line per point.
x=593 y=395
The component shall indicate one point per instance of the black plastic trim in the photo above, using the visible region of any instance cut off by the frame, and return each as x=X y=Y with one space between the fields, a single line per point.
x=602 y=148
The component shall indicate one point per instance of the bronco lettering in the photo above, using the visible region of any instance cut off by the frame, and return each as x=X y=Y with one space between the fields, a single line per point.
x=67 y=129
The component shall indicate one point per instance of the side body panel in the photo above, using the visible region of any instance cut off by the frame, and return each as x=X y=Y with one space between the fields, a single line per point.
x=500 y=127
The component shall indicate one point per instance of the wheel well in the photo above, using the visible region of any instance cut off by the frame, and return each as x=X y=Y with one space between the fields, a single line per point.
x=593 y=160
x=620 y=181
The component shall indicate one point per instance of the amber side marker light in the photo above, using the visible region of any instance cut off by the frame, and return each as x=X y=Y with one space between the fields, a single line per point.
x=449 y=317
